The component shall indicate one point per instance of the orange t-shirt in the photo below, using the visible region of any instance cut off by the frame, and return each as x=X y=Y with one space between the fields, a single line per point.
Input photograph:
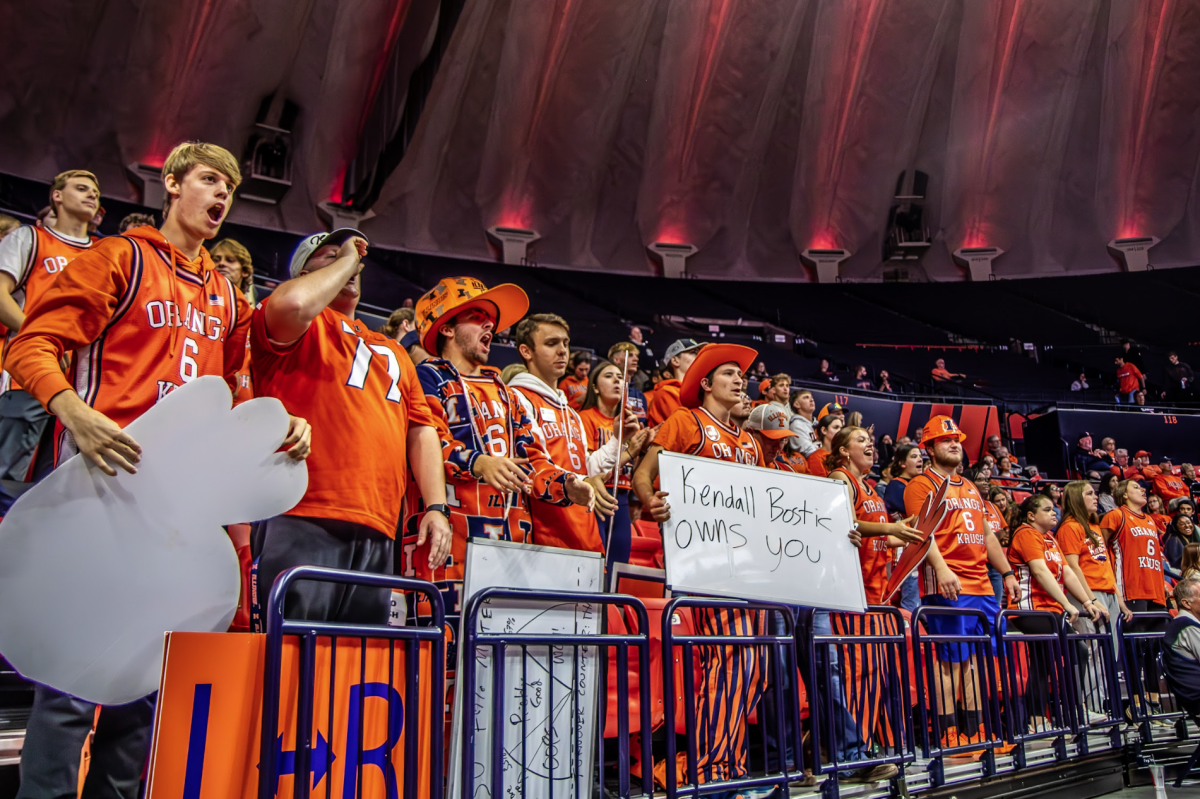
x=816 y=463
x=665 y=401
x=600 y=429
x=575 y=389
x=1129 y=377
x=564 y=439
x=48 y=257
x=1093 y=558
x=795 y=460
x=699 y=433
x=995 y=518
x=359 y=391
x=1029 y=544
x=874 y=556
x=1168 y=486
x=1136 y=549
x=961 y=536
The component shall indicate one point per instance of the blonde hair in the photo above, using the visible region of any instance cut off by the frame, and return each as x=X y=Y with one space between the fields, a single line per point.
x=241 y=255
x=392 y=326
x=8 y=224
x=194 y=153
x=62 y=178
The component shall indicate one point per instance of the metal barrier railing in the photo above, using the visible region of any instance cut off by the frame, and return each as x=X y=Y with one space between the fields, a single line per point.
x=418 y=691
x=962 y=667
x=732 y=640
x=1037 y=707
x=1141 y=653
x=858 y=693
x=1096 y=686
x=553 y=649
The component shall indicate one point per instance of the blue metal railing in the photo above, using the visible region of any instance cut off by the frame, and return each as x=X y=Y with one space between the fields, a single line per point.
x=497 y=644
x=412 y=638
x=1141 y=653
x=746 y=655
x=1030 y=641
x=1096 y=685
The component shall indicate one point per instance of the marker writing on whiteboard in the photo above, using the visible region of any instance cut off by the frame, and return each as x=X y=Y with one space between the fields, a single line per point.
x=739 y=498
x=794 y=515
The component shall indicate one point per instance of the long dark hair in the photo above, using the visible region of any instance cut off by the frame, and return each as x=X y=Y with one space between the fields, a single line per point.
x=1107 y=484
x=900 y=459
x=592 y=398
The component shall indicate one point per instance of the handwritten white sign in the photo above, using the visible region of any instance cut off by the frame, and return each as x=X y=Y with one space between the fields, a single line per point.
x=754 y=533
x=549 y=694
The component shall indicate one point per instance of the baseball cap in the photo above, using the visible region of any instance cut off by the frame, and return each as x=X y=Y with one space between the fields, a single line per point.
x=940 y=427
x=1141 y=453
x=709 y=357
x=763 y=385
x=770 y=421
x=679 y=347
x=830 y=407
x=453 y=295
x=1083 y=435
x=1164 y=459
x=310 y=244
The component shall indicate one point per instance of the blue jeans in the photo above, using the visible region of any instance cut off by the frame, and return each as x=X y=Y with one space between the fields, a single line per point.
x=847 y=745
x=910 y=594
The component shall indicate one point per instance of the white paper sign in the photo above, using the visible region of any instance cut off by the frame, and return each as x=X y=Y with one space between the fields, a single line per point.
x=145 y=550
x=550 y=700
x=754 y=533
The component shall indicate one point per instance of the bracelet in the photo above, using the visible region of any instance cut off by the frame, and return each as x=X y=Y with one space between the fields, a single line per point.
x=1006 y=575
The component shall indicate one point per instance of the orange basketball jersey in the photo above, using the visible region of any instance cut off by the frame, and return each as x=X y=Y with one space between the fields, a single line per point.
x=960 y=538
x=360 y=393
x=699 y=433
x=1136 y=549
x=48 y=257
x=1027 y=545
x=875 y=556
x=142 y=320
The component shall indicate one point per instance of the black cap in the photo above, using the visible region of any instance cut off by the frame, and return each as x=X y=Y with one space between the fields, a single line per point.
x=1083 y=435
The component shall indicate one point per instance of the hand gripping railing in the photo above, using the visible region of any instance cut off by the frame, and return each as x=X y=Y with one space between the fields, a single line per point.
x=498 y=644
x=419 y=689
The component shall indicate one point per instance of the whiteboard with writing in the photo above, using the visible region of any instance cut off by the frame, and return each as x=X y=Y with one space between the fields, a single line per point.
x=549 y=694
x=754 y=533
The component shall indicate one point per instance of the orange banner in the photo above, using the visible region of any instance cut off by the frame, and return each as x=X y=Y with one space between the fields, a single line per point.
x=209 y=719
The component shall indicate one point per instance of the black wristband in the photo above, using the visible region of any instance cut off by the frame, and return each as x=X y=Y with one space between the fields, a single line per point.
x=1006 y=575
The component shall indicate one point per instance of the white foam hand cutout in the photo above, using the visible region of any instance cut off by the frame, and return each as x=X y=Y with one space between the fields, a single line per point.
x=95 y=569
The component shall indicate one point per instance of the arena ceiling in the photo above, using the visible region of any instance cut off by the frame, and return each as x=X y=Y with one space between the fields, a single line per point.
x=752 y=129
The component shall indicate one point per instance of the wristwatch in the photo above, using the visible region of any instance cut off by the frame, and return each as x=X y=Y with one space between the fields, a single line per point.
x=440 y=508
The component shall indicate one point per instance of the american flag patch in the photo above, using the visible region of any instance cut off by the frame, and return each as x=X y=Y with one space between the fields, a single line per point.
x=216 y=299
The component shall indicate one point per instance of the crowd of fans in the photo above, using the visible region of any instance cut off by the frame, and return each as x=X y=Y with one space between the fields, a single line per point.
x=409 y=433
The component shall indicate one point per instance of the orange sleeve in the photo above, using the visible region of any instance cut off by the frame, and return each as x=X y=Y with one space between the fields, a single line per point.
x=914 y=495
x=665 y=403
x=1025 y=546
x=816 y=463
x=1071 y=538
x=71 y=314
x=679 y=433
x=237 y=354
x=1112 y=520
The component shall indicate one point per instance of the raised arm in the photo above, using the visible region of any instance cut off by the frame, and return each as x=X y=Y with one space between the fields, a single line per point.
x=296 y=303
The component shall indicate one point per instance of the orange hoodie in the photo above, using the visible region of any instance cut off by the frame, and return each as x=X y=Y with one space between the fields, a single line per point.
x=141 y=318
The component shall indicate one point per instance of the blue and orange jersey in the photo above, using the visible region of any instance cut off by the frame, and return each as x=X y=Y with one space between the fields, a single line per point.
x=699 y=433
x=478 y=415
x=875 y=556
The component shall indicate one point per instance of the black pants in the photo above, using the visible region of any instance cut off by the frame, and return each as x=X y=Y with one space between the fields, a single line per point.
x=280 y=543
x=54 y=739
x=1037 y=686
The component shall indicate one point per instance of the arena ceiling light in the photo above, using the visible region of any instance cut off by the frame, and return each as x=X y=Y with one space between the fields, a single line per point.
x=673 y=257
x=514 y=242
x=1132 y=252
x=977 y=261
x=827 y=262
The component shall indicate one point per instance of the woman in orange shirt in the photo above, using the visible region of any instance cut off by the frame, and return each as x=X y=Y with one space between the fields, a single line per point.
x=1043 y=575
x=824 y=430
x=599 y=417
x=1082 y=543
x=1154 y=506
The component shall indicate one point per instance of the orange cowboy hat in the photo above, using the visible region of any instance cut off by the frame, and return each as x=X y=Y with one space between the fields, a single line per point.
x=453 y=295
x=709 y=357
x=940 y=427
